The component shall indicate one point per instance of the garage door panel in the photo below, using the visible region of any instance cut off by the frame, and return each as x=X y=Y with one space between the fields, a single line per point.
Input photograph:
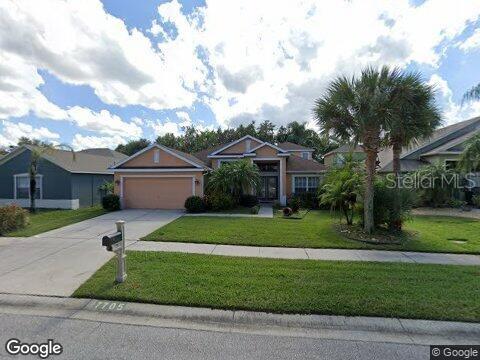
x=156 y=192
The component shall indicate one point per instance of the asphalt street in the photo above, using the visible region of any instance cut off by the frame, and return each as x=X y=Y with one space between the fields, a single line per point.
x=83 y=339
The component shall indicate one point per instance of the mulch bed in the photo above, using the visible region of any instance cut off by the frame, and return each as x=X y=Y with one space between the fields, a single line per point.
x=380 y=237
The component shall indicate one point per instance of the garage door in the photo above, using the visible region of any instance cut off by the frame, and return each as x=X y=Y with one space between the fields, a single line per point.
x=156 y=193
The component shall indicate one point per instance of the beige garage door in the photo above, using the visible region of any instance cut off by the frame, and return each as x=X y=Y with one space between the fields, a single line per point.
x=156 y=193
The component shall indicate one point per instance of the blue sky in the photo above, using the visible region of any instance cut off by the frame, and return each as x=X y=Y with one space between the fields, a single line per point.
x=95 y=73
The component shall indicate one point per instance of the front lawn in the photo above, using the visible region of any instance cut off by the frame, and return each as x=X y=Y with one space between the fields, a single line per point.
x=46 y=220
x=441 y=292
x=315 y=230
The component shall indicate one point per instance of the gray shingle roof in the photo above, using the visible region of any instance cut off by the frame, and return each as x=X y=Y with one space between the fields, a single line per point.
x=288 y=146
x=298 y=164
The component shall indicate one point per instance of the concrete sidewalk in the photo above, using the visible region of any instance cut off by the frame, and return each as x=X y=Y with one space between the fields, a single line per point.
x=306 y=253
x=372 y=329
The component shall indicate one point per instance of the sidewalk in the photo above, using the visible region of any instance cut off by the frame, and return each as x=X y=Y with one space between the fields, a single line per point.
x=359 y=328
x=306 y=253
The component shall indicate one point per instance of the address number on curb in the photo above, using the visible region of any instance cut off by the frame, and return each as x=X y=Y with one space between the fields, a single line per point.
x=109 y=306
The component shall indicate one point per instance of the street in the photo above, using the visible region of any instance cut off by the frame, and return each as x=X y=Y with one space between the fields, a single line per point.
x=82 y=339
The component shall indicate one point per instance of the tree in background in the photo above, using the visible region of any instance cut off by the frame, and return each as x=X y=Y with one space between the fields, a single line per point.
x=470 y=159
x=133 y=146
x=472 y=94
x=358 y=110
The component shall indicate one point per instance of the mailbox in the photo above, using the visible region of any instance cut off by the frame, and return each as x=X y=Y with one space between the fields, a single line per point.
x=110 y=240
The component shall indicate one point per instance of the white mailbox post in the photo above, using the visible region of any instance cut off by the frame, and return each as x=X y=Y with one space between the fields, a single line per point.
x=116 y=242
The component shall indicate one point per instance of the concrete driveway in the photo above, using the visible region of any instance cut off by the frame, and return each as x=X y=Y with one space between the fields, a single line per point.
x=59 y=261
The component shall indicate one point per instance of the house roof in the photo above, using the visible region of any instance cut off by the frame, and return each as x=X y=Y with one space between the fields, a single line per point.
x=406 y=165
x=104 y=152
x=82 y=162
x=346 y=148
x=289 y=146
x=300 y=165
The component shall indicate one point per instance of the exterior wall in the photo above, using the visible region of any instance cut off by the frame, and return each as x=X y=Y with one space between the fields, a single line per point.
x=288 y=184
x=266 y=151
x=239 y=148
x=146 y=160
x=56 y=182
x=197 y=176
x=299 y=154
x=328 y=160
x=440 y=158
x=85 y=188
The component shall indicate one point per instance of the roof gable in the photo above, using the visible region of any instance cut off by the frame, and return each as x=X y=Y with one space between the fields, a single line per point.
x=239 y=149
x=171 y=158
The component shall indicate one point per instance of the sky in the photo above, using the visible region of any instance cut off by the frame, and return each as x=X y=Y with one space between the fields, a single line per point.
x=94 y=73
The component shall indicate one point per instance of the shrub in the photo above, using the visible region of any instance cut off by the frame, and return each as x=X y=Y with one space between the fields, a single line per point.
x=12 y=217
x=476 y=200
x=456 y=204
x=254 y=210
x=383 y=204
x=248 y=200
x=106 y=188
x=111 y=202
x=194 y=204
x=295 y=203
x=220 y=201
x=287 y=211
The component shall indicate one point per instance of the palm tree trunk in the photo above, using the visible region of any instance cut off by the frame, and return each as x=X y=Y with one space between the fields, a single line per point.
x=370 y=164
x=396 y=223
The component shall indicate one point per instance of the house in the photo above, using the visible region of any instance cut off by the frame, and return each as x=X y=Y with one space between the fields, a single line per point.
x=63 y=181
x=160 y=177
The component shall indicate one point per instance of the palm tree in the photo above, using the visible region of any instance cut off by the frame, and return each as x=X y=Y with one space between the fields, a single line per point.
x=414 y=116
x=236 y=178
x=358 y=110
x=36 y=154
x=472 y=94
x=470 y=159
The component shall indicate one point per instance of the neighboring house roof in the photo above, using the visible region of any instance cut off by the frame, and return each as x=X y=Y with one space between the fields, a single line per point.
x=346 y=148
x=104 y=152
x=82 y=162
x=406 y=165
x=289 y=146
x=191 y=157
x=300 y=165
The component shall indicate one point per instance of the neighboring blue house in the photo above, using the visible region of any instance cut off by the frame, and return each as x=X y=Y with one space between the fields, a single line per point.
x=64 y=181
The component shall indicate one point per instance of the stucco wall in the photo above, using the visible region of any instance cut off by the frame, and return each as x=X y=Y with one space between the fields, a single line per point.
x=85 y=188
x=146 y=160
x=266 y=151
x=240 y=147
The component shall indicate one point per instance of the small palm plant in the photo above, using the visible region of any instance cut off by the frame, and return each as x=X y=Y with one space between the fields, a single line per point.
x=36 y=154
x=470 y=159
x=236 y=178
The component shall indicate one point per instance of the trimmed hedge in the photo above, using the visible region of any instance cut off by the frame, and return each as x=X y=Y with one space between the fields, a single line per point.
x=111 y=202
x=194 y=204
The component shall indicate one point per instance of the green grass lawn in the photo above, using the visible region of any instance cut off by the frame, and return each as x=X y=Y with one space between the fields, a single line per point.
x=316 y=230
x=45 y=220
x=442 y=292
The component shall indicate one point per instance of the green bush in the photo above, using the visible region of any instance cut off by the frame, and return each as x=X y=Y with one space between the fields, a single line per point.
x=220 y=201
x=254 y=210
x=248 y=200
x=456 y=204
x=295 y=203
x=12 y=217
x=383 y=204
x=111 y=202
x=476 y=200
x=194 y=204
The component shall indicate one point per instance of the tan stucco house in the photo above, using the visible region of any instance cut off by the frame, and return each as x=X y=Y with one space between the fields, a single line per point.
x=158 y=177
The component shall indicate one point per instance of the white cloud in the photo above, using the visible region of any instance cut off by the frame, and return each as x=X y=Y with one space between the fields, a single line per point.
x=12 y=132
x=453 y=112
x=473 y=42
x=163 y=127
x=103 y=122
x=81 y=44
x=84 y=142
x=185 y=118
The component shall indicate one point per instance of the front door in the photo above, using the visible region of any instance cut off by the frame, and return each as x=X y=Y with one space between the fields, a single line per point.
x=268 y=188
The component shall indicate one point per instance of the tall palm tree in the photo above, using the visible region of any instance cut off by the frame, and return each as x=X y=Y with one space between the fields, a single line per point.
x=358 y=109
x=414 y=116
x=472 y=94
x=36 y=154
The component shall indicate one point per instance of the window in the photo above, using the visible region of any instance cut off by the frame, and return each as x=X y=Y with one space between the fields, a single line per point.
x=306 y=155
x=303 y=184
x=156 y=156
x=22 y=187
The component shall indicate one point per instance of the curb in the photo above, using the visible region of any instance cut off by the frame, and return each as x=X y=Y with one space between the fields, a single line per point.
x=386 y=329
